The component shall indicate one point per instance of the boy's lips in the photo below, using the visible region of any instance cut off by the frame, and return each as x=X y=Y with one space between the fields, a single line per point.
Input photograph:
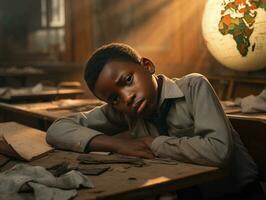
x=141 y=105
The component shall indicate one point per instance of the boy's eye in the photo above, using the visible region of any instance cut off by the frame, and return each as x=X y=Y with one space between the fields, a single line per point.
x=129 y=79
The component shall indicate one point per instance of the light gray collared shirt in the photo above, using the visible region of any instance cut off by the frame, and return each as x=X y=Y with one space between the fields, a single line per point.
x=198 y=130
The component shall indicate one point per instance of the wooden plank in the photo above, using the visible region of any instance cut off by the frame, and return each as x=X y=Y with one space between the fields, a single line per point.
x=252 y=117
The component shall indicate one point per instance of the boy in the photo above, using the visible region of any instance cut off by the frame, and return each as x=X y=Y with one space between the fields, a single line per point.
x=180 y=119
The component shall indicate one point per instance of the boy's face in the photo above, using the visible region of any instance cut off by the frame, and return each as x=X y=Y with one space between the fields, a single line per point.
x=129 y=87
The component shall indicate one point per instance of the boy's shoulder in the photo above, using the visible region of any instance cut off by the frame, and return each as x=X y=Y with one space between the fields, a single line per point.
x=191 y=80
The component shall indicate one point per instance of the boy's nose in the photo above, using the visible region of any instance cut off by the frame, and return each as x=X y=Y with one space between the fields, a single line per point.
x=129 y=98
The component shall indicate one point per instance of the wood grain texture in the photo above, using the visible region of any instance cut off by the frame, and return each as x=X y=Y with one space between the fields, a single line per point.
x=137 y=182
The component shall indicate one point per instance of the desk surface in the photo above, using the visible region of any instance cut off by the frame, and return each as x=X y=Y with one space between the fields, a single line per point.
x=136 y=181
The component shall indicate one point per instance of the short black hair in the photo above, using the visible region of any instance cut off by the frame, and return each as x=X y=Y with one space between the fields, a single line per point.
x=105 y=54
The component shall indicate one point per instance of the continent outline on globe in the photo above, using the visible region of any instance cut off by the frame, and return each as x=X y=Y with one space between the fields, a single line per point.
x=241 y=44
x=240 y=27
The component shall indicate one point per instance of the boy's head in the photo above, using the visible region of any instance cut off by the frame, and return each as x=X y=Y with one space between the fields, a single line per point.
x=118 y=75
x=105 y=54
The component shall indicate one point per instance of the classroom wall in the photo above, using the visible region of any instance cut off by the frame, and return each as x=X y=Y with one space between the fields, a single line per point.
x=166 y=31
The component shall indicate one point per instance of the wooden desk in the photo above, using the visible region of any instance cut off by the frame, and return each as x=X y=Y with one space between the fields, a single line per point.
x=251 y=127
x=41 y=115
x=252 y=130
x=259 y=117
x=136 y=182
x=234 y=112
x=19 y=73
x=47 y=94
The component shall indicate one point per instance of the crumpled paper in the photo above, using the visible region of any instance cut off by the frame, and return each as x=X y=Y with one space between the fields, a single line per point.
x=252 y=104
x=24 y=178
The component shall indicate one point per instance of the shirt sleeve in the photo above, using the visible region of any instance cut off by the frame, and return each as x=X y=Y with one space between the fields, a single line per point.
x=75 y=132
x=212 y=141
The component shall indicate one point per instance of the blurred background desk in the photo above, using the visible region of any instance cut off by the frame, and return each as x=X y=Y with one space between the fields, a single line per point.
x=252 y=130
x=41 y=115
x=27 y=94
x=19 y=74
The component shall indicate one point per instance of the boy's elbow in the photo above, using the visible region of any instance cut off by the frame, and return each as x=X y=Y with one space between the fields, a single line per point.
x=222 y=162
x=51 y=135
x=223 y=156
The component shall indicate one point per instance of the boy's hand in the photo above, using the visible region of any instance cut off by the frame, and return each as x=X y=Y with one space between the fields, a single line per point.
x=133 y=147
x=147 y=140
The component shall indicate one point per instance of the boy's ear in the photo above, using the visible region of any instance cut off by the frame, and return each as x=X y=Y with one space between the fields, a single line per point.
x=148 y=65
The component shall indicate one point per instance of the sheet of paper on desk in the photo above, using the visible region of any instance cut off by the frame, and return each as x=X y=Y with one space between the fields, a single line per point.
x=22 y=142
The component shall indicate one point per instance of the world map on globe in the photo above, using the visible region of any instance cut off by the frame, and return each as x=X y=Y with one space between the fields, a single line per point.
x=234 y=32
x=237 y=19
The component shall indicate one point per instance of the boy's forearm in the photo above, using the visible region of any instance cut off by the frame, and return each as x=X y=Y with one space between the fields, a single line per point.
x=124 y=135
x=103 y=143
x=126 y=146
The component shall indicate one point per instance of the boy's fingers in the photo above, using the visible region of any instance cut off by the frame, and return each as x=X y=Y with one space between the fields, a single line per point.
x=149 y=156
x=146 y=154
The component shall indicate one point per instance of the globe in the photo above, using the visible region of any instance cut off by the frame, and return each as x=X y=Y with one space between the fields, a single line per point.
x=235 y=33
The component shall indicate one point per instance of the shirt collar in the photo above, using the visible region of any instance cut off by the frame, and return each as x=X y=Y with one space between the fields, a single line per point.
x=169 y=90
